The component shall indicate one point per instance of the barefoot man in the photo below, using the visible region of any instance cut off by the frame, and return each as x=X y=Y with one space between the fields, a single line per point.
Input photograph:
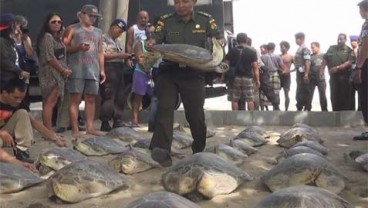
x=86 y=59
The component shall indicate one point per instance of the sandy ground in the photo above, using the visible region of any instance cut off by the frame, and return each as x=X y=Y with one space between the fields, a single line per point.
x=338 y=140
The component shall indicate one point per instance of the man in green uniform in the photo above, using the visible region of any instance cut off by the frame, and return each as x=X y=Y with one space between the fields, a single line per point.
x=339 y=59
x=361 y=69
x=184 y=26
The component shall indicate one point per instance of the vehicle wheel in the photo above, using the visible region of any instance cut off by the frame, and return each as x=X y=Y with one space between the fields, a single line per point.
x=146 y=101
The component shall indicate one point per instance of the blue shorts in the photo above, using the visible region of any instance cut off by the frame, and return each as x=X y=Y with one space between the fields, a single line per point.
x=83 y=86
x=140 y=83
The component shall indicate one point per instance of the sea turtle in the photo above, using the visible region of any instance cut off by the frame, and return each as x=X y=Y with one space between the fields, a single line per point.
x=189 y=55
x=296 y=150
x=185 y=128
x=314 y=145
x=98 y=146
x=303 y=125
x=304 y=169
x=83 y=180
x=181 y=140
x=242 y=146
x=228 y=153
x=298 y=134
x=360 y=157
x=252 y=138
x=132 y=161
x=203 y=175
x=54 y=159
x=125 y=134
x=363 y=161
x=256 y=129
x=303 y=197
x=162 y=199
x=14 y=178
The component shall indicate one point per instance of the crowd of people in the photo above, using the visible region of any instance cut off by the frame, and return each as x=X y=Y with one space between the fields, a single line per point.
x=79 y=61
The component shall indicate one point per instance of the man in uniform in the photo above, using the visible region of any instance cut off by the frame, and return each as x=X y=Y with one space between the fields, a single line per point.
x=339 y=59
x=112 y=95
x=184 y=26
x=361 y=69
x=302 y=65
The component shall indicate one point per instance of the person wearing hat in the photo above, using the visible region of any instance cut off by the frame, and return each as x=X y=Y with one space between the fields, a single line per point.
x=8 y=58
x=83 y=42
x=361 y=69
x=112 y=103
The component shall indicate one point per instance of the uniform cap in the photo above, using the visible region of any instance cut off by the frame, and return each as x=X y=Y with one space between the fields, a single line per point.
x=363 y=3
x=120 y=23
x=90 y=9
x=6 y=20
x=354 y=38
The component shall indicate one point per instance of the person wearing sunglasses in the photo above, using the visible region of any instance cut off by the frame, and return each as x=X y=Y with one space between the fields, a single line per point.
x=112 y=95
x=86 y=60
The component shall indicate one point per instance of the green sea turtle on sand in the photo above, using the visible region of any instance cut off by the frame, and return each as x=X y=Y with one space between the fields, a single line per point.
x=125 y=134
x=303 y=197
x=133 y=160
x=98 y=146
x=50 y=160
x=83 y=180
x=203 y=175
x=298 y=134
x=305 y=169
x=162 y=199
x=14 y=178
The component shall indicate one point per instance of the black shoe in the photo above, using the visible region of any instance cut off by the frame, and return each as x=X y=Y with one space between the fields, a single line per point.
x=161 y=156
x=363 y=136
x=60 y=129
x=105 y=126
x=22 y=156
x=118 y=123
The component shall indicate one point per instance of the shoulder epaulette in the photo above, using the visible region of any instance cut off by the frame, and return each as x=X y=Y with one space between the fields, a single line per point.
x=204 y=14
x=165 y=16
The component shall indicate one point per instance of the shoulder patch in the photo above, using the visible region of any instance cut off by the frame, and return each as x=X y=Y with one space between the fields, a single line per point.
x=204 y=14
x=165 y=16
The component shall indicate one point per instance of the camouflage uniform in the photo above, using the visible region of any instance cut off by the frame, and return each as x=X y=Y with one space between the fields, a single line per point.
x=302 y=55
x=340 y=86
x=174 y=78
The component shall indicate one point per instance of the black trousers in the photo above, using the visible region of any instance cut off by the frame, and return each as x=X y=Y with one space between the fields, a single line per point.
x=191 y=86
x=321 y=85
x=302 y=93
x=341 y=88
x=112 y=92
x=364 y=92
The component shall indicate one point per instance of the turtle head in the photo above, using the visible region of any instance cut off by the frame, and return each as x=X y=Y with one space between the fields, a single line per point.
x=148 y=59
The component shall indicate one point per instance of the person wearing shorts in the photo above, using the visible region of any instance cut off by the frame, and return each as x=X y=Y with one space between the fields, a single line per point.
x=83 y=42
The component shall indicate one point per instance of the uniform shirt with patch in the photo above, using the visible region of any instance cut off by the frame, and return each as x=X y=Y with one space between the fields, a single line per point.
x=337 y=55
x=7 y=111
x=111 y=46
x=171 y=29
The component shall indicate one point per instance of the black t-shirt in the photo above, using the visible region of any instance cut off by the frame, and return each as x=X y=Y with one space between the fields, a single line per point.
x=7 y=111
x=248 y=56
